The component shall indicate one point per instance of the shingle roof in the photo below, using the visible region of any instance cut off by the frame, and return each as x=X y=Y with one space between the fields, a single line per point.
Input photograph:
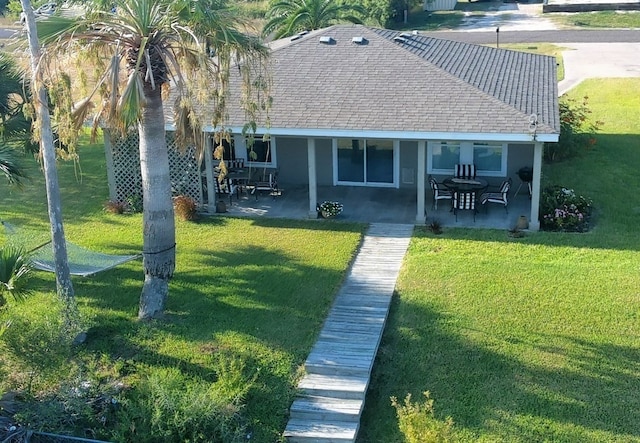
x=416 y=86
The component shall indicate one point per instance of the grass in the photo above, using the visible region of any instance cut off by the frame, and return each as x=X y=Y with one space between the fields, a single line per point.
x=248 y=291
x=422 y=20
x=599 y=20
x=533 y=339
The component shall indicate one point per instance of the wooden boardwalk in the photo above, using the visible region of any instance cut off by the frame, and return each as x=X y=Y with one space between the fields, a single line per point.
x=332 y=393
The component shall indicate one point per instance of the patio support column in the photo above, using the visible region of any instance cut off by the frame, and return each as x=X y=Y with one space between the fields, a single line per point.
x=111 y=171
x=208 y=169
x=421 y=214
x=313 y=191
x=534 y=223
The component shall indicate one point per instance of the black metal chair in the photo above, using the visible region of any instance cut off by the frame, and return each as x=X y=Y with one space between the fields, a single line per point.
x=500 y=197
x=440 y=192
x=225 y=187
x=464 y=201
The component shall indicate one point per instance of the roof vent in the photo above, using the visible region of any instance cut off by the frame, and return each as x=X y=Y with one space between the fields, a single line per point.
x=406 y=35
x=299 y=35
x=415 y=32
x=359 y=40
x=399 y=39
x=327 y=40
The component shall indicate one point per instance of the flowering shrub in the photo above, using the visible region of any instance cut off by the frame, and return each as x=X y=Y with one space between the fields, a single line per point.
x=561 y=209
x=329 y=209
x=577 y=130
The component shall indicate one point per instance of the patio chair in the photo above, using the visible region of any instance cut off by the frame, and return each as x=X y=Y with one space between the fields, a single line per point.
x=500 y=197
x=225 y=187
x=464 y=201
x=440 y=192
x=268 y=184
x=466 y=171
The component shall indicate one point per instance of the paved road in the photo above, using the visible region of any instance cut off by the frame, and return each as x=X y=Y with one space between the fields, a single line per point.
x=547 y=36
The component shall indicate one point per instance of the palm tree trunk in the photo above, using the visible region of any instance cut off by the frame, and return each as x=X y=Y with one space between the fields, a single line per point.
x=159 y=234
x=64 y=286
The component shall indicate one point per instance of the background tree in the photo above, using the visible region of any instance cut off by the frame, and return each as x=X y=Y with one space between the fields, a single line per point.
x=288 y=17
x=158 y=44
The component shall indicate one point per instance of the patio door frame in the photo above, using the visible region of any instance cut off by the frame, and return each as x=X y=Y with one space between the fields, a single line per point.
x=396 y=165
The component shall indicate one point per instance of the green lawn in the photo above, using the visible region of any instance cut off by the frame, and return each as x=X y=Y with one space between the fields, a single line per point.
x=534 y=339
x=247 y=293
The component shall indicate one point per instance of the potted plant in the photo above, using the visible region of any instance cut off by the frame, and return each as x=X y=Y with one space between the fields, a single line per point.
x=329 y=209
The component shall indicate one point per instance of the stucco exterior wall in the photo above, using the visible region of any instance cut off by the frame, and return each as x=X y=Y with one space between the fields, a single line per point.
x=408 y=164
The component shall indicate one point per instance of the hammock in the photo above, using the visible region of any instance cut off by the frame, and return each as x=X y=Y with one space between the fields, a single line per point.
x=82 y=261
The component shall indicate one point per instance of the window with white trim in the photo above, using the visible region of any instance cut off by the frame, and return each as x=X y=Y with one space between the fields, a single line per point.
x=490 y=158
x=261 y=151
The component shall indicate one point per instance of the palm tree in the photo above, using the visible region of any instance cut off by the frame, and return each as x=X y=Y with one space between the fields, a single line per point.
x=287 y=17
x=186 y=47
x=13 y=124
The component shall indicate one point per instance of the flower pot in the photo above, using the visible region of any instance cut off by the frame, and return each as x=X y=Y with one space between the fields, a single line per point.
x=522 y=223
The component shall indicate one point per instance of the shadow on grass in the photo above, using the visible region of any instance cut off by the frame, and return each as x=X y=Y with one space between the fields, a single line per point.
x=591 y=394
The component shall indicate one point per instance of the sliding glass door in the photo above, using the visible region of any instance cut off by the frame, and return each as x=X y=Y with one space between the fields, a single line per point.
x=363 y=162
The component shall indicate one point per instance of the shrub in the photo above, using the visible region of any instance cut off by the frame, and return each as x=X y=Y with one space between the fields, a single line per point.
x=561 y=209
x=577 y=132
x=14 y=271
x=329 y=209
x=168 y=407
x=115 y=207
x=185 y=207
x=418 y=423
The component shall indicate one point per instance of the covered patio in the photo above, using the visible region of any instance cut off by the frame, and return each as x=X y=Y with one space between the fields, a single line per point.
x=376 y=205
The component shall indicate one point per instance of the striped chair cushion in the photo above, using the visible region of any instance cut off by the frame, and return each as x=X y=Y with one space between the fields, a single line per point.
x=465 y=171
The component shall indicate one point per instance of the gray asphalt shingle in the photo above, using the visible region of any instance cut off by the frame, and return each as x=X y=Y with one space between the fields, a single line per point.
x=421 y=85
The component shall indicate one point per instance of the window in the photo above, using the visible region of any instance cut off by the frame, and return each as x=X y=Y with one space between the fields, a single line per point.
x=261 y=151
x=445 y=155
x=229 y=148
x=490 y=158
x=369 y=161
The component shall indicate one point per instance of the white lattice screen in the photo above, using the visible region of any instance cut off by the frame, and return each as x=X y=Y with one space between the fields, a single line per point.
x=185 y=172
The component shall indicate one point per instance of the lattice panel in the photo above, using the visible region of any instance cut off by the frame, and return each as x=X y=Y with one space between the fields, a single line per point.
x=184 y=170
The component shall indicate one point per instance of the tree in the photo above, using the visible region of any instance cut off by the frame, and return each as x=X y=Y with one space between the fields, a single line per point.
x=44 y=133
x=287 y=17
x=185 y=47
x=13 y=125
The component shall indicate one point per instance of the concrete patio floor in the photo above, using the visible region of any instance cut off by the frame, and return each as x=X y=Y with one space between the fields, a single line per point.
x=376 y=205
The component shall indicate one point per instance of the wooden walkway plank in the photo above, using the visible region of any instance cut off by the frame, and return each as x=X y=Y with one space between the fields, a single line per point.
x=339 y=365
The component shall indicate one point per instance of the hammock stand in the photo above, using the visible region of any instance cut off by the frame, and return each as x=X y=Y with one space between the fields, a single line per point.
x=82 y=261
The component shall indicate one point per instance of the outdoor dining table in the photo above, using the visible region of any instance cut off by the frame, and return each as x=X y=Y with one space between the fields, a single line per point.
x=466 y=185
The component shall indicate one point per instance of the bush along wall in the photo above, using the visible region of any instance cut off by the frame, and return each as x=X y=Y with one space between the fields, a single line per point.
x=561 y=209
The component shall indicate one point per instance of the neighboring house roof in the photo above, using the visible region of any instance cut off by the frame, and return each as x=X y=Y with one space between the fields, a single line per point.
x=409 y=87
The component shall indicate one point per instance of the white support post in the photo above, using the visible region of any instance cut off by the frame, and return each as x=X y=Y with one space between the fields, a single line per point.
x=111 y=171
x=208 y=169
x=313 y=191
x=534 y=223
x=421 y=178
